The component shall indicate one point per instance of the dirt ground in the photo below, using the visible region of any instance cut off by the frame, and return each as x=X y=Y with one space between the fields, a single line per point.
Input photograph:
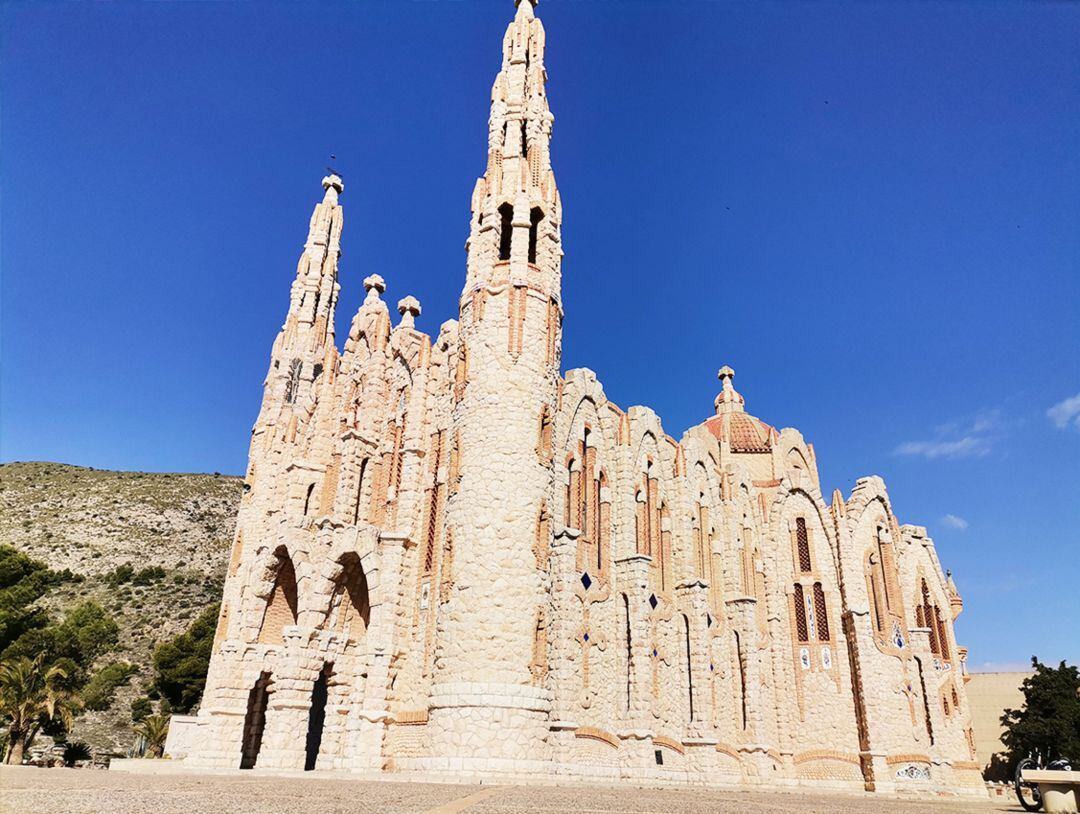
x=25 y=790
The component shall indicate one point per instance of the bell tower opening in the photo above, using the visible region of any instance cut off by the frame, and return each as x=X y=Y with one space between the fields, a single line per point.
x=506 y=230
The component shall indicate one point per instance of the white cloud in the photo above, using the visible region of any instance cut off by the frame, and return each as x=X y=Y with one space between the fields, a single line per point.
x=954 y=522
x=955 y=440
x=966 y=447
x=1066 y=412
x=1001 y=667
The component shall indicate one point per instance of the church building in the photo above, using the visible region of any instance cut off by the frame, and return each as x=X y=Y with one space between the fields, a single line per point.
x=452 y=559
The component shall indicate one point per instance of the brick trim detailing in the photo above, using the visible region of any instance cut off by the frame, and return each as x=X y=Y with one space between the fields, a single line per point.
x=968 y=765
x=893 y=760
x=670 y=743
x=730 y=751
x=592 y=733
x=766 y=484
x=826 y=754
x=417 y=717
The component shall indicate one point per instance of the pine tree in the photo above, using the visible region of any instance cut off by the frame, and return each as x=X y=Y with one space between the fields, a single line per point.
x=1049 y=722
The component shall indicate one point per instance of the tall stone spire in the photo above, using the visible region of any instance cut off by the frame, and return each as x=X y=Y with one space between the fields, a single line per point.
x=488 y=687
x=305 y=347
x=516 y=210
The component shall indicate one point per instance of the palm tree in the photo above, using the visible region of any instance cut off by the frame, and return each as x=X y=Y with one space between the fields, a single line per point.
x=31 y=696
x=75 y=751
x=154 y=729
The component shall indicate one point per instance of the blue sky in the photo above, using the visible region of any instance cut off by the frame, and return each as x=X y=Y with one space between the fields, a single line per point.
x=869 y=210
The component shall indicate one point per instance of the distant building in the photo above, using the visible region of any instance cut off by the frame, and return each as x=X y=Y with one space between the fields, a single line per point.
x=989 y=695
x=451 y=559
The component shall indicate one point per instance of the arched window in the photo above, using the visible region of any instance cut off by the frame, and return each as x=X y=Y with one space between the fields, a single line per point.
x=930 y=619
x=629 y=653
x=702 y=548
x=506 y=230
x=603 y=515
x=544 y=443
x=665 y=548
x=821 y=612
x=434 y=501
x=802 y=633
x=802 y=542
x=689 y=667
x=281 y=607
x=740 y=669
x=307 y=498
x=942 y=635
x=573 y=486
x=350 y=605
x=535 y=216
x=589 y=513
x=292 y=384
x=359 y=491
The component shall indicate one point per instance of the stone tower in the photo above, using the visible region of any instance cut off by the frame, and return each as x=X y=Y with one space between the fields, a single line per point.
x=488 y=688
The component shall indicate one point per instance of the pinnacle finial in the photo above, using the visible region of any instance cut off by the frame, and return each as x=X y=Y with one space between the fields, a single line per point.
x=409 y=308
x=374 y=285
x=333 y=180
x=729 y=400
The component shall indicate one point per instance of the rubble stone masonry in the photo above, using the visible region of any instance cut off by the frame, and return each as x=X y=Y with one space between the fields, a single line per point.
x=452 y=560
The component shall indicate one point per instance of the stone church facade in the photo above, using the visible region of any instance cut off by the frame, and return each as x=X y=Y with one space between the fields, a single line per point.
x=452 y=560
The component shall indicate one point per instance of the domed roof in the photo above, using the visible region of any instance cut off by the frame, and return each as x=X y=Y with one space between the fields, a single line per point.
x=743 y=432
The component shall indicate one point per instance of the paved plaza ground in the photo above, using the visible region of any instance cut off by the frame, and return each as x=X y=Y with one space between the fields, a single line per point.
x=25 y=790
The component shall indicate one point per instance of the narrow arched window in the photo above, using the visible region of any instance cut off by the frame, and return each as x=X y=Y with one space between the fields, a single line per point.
x=435 y=500
x=359 y=491
x=740 y=668
x=603 y=522
x=572 y=485
x=801 y=630
x=307 y=498
x=689 y=667
x=535 y=216
x=506 y=230
x=629 y=652
x=802 y=540
x=292 y=384
x=821 y=612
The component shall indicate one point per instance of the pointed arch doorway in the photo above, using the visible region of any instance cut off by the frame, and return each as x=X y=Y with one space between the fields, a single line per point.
x=317 y=717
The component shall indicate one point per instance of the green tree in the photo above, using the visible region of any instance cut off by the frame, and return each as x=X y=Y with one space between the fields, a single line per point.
x=100 y=690
x=86 y=633
x=1049 y=722
x=22 y=582
x=140 y=708
x=32 y=696
x=180 y=664
x=154 y=729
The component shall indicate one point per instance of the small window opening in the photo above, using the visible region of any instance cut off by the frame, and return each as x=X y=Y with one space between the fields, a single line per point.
x=506 y=215
x=535 y=216
x=659 y=757
x=307 y=498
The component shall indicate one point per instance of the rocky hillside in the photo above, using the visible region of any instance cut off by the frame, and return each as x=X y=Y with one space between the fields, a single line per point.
x=94 y=522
